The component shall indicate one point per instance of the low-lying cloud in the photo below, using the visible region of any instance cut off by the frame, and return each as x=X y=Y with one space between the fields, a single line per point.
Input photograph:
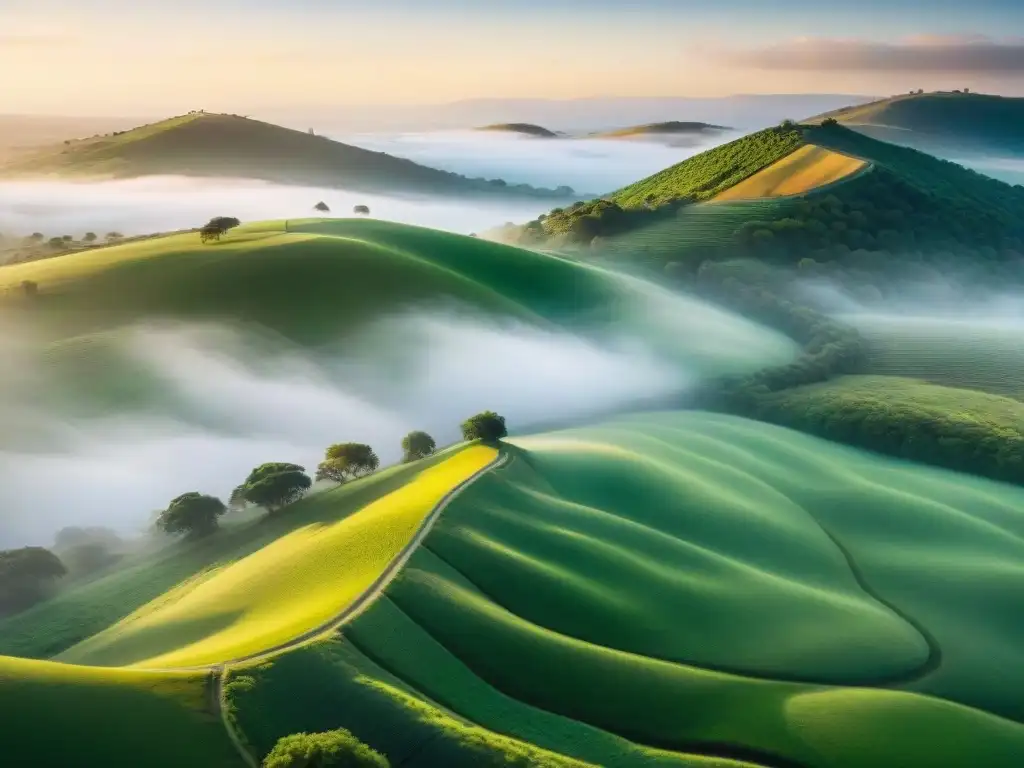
x=166 y=203
x=918 y=54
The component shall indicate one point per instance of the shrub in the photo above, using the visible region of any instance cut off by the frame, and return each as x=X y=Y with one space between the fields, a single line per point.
x=331 y=749
x=486 y=426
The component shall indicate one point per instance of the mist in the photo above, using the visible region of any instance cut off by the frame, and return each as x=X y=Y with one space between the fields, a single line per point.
x=589 y=166
x=231 y=397
x=166 y=203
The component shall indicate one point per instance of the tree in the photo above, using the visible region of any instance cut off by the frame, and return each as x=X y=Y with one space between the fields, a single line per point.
x=331 y=749
x=37 y=237
x=217 y=226
x=113 y=237
x=417 y=445
x=322 y=207
x=829 y=122
x=361 y=210
x=208 y=233
x=27 y=576
x=57 y=243
x=344 y=461
x=193 y=514
x=486 y=426
x=278 y=490
x=90 y=237
x=89 y=557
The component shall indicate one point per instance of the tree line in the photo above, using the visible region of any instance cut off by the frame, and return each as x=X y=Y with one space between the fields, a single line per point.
x=30 y=574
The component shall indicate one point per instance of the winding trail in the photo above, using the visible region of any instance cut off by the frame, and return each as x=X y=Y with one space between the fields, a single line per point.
x=219 y=671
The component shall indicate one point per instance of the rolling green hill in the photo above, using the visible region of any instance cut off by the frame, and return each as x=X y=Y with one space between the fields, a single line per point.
x=527 y=129
x=549 y=605
x=201 y=144
x=983 y=355
x=670 y=128
x=941 y=122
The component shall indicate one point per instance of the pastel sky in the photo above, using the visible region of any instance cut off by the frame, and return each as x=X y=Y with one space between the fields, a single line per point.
x=141 y=56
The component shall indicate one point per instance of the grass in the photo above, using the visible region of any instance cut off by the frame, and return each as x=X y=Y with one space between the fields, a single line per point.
x=800 y=172
x=59 y=715
x=985 y=356
x=547 y=601
x=706 y=175
x=696 y=229
x=77 y=614
x=239 y=147
x=300 y=282
x=289 y=586
x=960 y=429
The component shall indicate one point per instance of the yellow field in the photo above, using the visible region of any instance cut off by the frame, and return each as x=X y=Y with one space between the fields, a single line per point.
x=285 y=589
x=805 y=169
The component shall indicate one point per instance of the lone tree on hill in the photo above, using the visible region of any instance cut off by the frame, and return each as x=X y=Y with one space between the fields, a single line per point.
x=90 y=237
x=487 y=426
x=345 y=461
x=322 y=207
x=217 y=226
x=361 y=210
x=829 y=122
x=27 y=576
x=272 y=486
x=417 y=445
x=331 y=749
x=193 y=514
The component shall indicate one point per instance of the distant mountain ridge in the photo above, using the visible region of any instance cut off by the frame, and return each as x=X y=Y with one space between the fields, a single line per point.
x=217 y=145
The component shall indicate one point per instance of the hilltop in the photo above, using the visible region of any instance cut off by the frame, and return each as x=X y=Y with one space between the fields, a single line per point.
x=941 y=122
x=670 y=128
x=203 y=144
x=527 y=129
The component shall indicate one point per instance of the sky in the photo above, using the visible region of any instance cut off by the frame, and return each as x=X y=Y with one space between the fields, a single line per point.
x=99 y=57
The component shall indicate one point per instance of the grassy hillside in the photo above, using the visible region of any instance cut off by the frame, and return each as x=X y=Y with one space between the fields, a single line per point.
x=800 y=172
x=201 y=144
x=528 y=129
x=941 y=121
x=980 y=355
x=71 y=617
x=58 y=715
x=957 y=428
x=705 y=175
x=288 y=587
x=549 y=602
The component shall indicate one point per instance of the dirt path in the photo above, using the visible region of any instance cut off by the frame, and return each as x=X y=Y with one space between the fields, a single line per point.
x=366 y=598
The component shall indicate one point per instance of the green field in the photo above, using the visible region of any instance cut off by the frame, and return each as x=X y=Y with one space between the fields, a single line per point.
x=632 y=576
x=982 y=355
x=961 y=429
x=231 y=146
x=59 y=715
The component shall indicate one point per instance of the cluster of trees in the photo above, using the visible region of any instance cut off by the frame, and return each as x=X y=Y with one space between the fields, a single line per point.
x=216 y=227
x=276 y=485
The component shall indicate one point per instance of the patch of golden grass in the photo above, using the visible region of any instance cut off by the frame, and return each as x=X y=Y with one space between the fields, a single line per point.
x=805 y=169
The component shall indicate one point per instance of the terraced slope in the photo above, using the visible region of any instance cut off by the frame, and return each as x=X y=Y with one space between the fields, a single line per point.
x=805 y=170
x=59 y=715
x=201 y=144
x=631 y=576
x=981 y=355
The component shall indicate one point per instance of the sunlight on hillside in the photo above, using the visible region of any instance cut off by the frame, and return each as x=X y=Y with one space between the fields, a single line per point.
x=805 y=170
